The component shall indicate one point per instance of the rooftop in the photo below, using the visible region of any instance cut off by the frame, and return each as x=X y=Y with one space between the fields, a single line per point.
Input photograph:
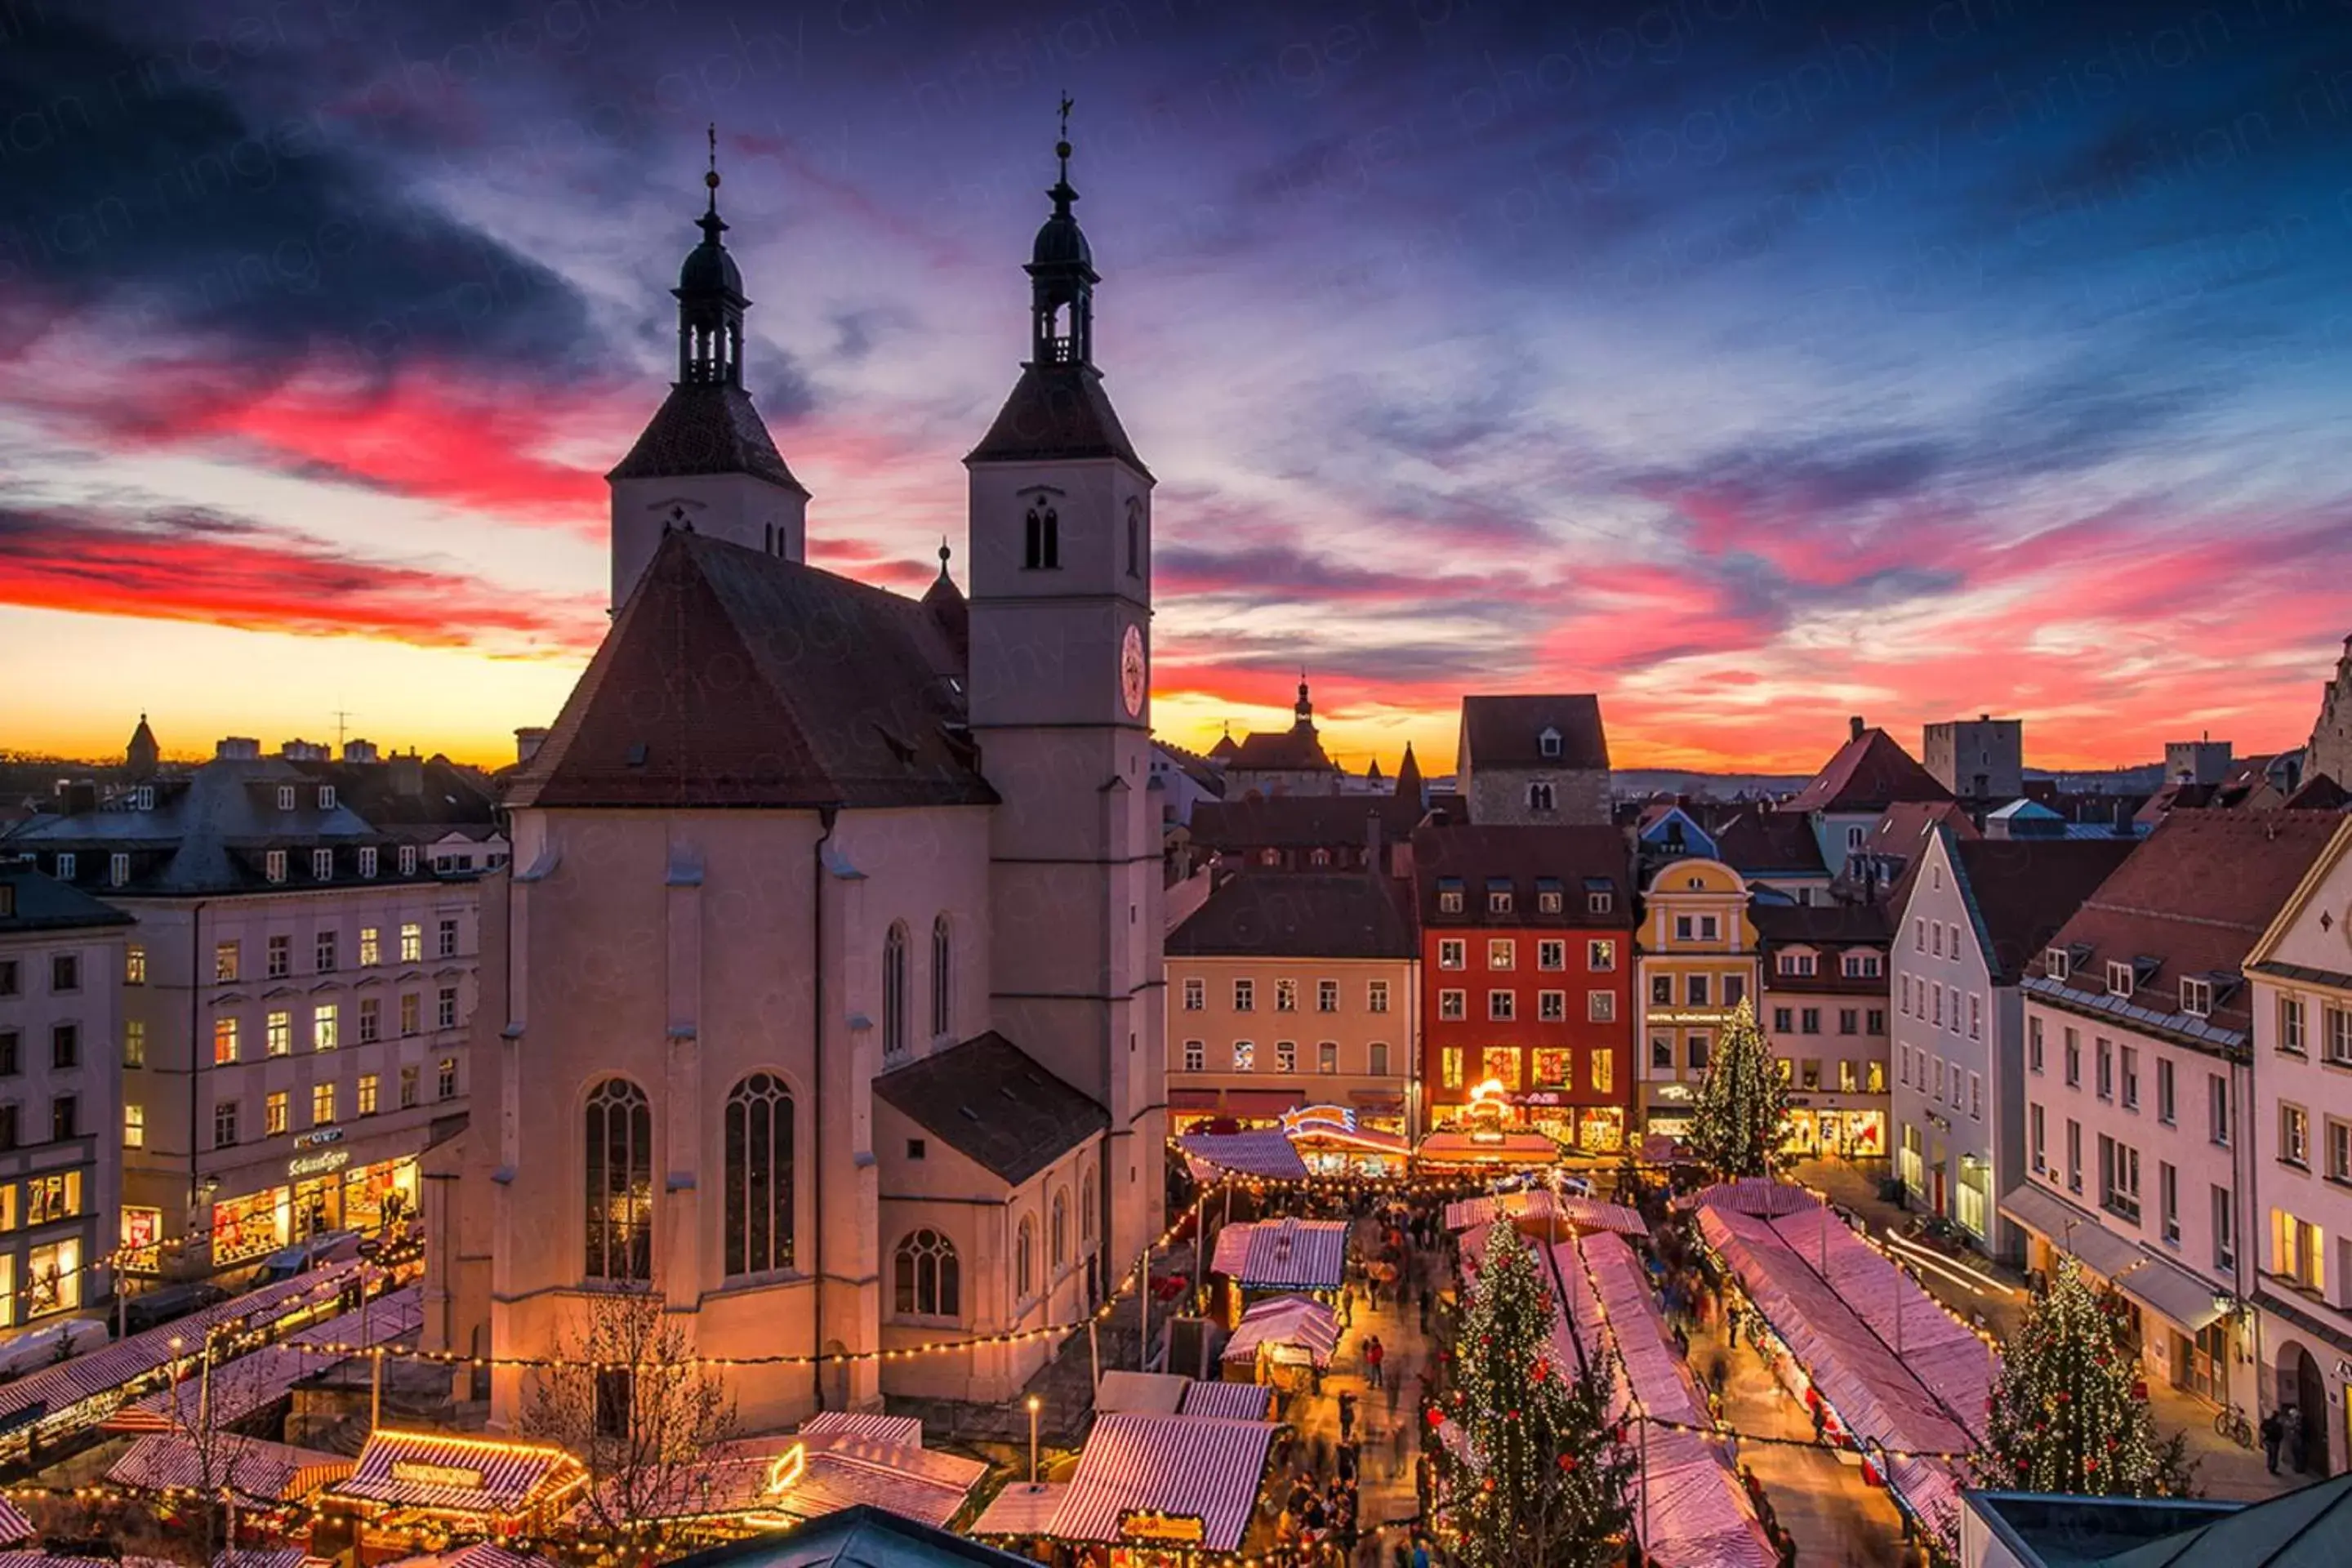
x=1869 y=772
x=992 y=1102
x=1299 y=915
x=705 y=428
x=1576 y=862
x=2020 y=890
x=1508 y=731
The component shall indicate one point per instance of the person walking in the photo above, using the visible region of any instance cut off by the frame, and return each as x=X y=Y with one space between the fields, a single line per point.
x=2274 y=1433
x=2291 y=1451
x=1346 y=1415
x=1373 y=1354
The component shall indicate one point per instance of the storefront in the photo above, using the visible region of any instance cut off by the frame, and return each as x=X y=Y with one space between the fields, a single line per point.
x=324 y=1192
x=1840 y=1133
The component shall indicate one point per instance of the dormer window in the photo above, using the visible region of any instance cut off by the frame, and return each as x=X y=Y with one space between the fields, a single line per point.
x=1547 y=744
x=2054 y=964
x=144 y=798
x=408 y=859
x=1600 y=903
x=367 y=859
x=1853 y=838
x=326 y=797
x=273 y=864
x=1797 y=964
x=322 y=865
x=284 y=797
x=1498 y=896
x=2119 y=978
x=62 y=868
x=117 y=869
x=1548 y=898
x=1449 y=896
x=2196 y=999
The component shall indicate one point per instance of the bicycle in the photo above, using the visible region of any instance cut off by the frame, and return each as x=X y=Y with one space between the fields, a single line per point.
x=2231 y=1422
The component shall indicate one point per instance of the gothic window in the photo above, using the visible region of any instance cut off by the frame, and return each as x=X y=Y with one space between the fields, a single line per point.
x=1539 y=797
x=1086 y=1207
x=942 y=976
x=925 y=1276
x=759 y=1206
x=1060 y=1234
x=1134 y=539
x=893 y=991
x=1024 y=1259
x=620 y=1187
x=1041 y=538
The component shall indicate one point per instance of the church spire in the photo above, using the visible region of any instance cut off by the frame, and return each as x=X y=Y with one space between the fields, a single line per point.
x=711 y=302
x=1305 y=709
x=1062 y=275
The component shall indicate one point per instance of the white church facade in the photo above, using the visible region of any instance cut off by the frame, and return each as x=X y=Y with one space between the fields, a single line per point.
x=826 y=1001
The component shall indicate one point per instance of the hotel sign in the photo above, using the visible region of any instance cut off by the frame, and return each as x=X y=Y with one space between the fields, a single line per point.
x=1151 y=1524
x=323 y=1136
x=417 y=1472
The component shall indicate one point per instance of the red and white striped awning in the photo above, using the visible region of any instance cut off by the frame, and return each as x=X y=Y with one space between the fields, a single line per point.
x=269 y=1373
x=1229 y=1401
x=478 y=1477
x=1266 y=1154
x=1187 y=1467
x=1581 y=1213
x=268 y=1557
x=14 y=1526
x=481 y=1554
x=1309 y=1329
x=892 y=1431
x=1285 y=1254
x=1759 y=1195
x=271 y=1472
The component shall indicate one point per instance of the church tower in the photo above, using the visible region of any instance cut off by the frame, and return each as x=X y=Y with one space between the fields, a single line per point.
x=1059 y=704
x=706 y=463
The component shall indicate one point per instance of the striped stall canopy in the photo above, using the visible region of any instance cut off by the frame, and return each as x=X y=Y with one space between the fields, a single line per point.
x=1760 y=1196
x=14 y=1526
x=105 y=1372
x=1285 y=1254
x=893 y=1431
x=1183 y=1467
x=269 y=1373
x=1306 y=1329
x=272 y=1472
x=1580 y=1214
x=481 y=1554
x=1229 y=1401
x=477 y=1476
x=824 y=1468
x=269 y=1557
x=1022 y=1509
x=1266 y=1154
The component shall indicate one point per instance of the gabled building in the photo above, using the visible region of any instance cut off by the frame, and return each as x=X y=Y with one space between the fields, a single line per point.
x=1285 y=992
x=2140 y=1146
x=1979 y=760
x=1533 y=760
x=1869 y=772
x=1284 y=761
x=1696 y=960
x=1777 y=854
x=2301 y=1119
x=1306 y=833
x=827 y=1004
x=1974 y=917
x=1824 y=1012
x=1527 y=943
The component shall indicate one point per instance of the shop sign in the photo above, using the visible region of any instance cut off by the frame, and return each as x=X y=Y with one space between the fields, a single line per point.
x=1307 y=1119
x=302 y=1165
x=1151 y=1524
x=417 y=1472
x=323 y=1135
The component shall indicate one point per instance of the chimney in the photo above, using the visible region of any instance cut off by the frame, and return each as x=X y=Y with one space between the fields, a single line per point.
x=302 y=751
x=80 y=797
x=528 y=740
x=236 y=749
x=407 y=774
x=1372 y=841
x=359 y=751
x=1855 y=726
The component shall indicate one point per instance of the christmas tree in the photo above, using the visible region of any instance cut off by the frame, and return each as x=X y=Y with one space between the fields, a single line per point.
x=1531 y=1476
x=1743 y=1107
x=2070 y=1413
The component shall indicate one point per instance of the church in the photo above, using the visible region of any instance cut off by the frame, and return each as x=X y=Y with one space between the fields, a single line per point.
x=825 y=1001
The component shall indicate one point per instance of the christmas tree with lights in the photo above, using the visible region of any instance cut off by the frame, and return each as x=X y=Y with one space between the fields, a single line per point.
x=2070 y=1411
x=1743 y=1107
x=1530 y=1473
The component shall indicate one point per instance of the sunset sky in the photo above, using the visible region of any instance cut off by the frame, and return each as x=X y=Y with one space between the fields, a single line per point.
x=1750 y=363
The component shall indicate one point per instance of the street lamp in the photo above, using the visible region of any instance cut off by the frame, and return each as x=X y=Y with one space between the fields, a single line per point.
x=1035 y=1404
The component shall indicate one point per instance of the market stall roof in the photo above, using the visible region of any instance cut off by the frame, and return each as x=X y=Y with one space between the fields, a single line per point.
x=481 y=1554
x=856 y=1538
x=268 y=1557
x=1182 y=1466
x=269 y=1373
x=14 y=1526
x=272 y=1472
x=1452 y=1149
x=1286 y=1254
x=1308 y=1329
x=475 y=1477
x=1267 y=1155
x=1754 y=1195
x=1152 y=1392
x=1022 y=1509
x=835 y=1461
x=1231 y=1401
x=37 y=1559
x=1540 y=1204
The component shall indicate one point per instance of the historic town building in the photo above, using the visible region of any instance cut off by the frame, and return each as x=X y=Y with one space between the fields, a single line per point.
x=295 y=1019
x=1287 y=992
x=64 y=963
x=828 y=1003
x=1824 y=1013
x=1533 y=760
x=1696 y=958
x=1280 y=761
x=1526 y=968
x=2329 y=753
x=1980 y=760
x=1845 y=800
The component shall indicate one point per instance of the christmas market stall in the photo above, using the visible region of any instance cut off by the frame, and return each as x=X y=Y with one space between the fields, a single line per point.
x=1332 y=1142
x=1228 y=1401
x=1264 y=1155
x=260 y=1474
x=267 y=1557
x=1690 y=1508
x=481 y=1554
x=253 y=1383
x=1539 y=1210
x=1282 y=1342
x=1278 y=1256
x=15 y=1527
x=1151 y=1489
x=1885 y=1370
x=410 y=1486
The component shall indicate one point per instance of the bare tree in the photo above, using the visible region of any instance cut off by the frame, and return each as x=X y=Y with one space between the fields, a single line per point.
x=630 y=1399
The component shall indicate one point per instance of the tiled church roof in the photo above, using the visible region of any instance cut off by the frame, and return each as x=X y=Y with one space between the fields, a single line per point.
x=706 y=428
x=733 y=677
x=990 y=1101
x=1056 y=413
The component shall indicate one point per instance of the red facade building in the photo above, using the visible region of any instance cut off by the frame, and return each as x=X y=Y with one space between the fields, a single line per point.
x=1528 y=977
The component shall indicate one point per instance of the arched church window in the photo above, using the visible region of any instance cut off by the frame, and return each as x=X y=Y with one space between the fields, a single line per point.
x=1041 y=538
x=1024 y=1259
x=1134 y=539
x=893 y=991
x=925 y=1279
x=1539 y=797
x=620 y=1185
x=758 y=1202
x=942 y=977
x=1087 y=1200
x=1060 y=1233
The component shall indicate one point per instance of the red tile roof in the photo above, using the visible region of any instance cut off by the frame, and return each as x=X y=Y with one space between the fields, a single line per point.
x=1580 y=859
x=1761 y=842
x=1274 y=914
x=1505 y=731
x=1300 y=821
x=734 y=678
x=2021 y=891
x=1869 y=772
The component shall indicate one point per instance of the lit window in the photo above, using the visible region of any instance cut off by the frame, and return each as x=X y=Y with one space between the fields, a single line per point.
x=273 y=1114
x=1502 y=953
x=223 y=962
x=1285 y=1055
x=758 y=1213
x=367 y=1094
x=134 y=966
x=412 y=944
x=1285 y=995
x=135 y=1126
x=326 y=1027
x=1600 y=956
x=1245 y=1056
x=223 y=1041
x=279 y=1034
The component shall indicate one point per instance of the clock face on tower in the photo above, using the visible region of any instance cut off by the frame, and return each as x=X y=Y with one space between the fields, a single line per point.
x=1130 y=671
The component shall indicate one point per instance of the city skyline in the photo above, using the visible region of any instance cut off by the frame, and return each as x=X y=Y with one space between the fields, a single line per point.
x=1750 y=366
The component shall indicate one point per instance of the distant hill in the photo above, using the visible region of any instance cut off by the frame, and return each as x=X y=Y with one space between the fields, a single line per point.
x=1626 y=782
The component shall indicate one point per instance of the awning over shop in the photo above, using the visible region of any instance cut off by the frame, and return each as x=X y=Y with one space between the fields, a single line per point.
x=1266 y=1154
x=473 y=1477
x=2173 y=1292
x=1290 y=1328
x=1229 y=1401
x=2070 y=1230
x=1459 y=1149
x=270 y=1472
x=1189 y=1475
x=1286 y=1254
